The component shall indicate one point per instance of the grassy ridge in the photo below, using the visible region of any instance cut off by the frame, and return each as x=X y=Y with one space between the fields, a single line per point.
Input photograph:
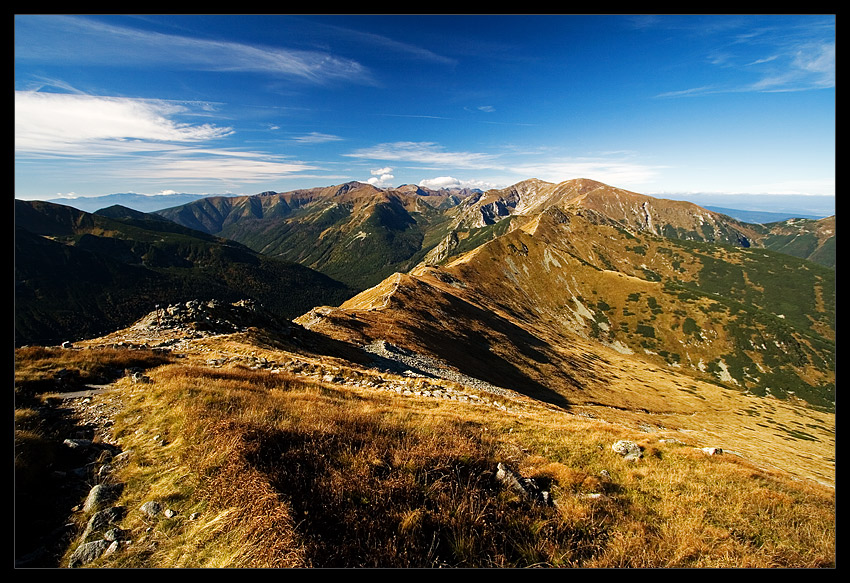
x=754 y=319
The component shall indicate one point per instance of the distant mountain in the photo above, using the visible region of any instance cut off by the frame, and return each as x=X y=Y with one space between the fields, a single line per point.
x=78 y=274
x=806 y=238
x=354 y=232
x=360 y=234
x=585 y=273
x=789 y=205
x=140 y=202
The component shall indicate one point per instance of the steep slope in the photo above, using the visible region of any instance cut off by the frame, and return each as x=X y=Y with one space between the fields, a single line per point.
x=669 y=218
x=355 y=233
x=79 y=274
x=807 y=238
x=546 y=300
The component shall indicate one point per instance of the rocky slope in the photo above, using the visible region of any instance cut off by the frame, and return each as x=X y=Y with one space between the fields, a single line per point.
x=812 y=239
x=529 y=308
x=361 y=234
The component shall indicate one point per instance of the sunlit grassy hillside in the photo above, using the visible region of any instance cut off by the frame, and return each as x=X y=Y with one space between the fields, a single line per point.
x=272 y=467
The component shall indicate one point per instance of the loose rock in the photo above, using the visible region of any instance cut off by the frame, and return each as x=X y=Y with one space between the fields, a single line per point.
x=101 y=494
x=151 y=508
x=88 y=552
x=526 y=487
x=628 y=449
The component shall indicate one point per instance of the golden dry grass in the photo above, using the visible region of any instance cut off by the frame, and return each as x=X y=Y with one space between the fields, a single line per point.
x=285 y=471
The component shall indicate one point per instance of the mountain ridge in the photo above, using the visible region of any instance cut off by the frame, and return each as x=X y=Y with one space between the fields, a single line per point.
x=569 y=318
x=360 y=234
x=714 y=303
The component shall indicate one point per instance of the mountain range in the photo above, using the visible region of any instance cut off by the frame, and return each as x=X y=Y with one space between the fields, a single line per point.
x=139 y=202
x=360 y=234
x=536 y=286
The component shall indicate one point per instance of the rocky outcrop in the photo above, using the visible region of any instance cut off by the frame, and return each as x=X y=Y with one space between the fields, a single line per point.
x=527 y=488
x=445 y=248
x=628 y=449
x=213 y=317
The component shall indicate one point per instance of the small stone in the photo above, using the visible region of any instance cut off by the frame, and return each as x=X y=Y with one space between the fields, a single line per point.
x=78 y=443
x=151 y=508
x=113 y=534
x=593 y=496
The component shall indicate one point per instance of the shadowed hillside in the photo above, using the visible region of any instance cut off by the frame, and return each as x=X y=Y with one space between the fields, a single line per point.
x=79 y=274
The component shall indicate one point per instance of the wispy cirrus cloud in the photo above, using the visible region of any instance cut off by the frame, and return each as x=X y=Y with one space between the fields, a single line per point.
x=611 y=170
x=56 y=37
x=766 y=58
x=619 y=167
x=385 y=44
x=223 y=166
x=316 y=138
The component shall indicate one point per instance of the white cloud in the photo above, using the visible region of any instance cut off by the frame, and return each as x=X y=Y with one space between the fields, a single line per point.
x=381 y=177
x=59 y=124
x=136 y=139
x=316 y=138
x=452 y=182
x=440 y=182
x=616 y=172
x=209 y=166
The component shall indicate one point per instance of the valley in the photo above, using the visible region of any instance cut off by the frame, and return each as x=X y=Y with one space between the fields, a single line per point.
x=536 y=324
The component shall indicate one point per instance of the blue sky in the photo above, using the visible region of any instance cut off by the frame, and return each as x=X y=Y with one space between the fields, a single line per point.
x=659 y=105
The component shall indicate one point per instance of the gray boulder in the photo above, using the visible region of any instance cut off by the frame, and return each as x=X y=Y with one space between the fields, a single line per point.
x=628 y=449
x=151 y=508
x=525 y=487
x=101 y=494
x=103 y=518
x=87 y=552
